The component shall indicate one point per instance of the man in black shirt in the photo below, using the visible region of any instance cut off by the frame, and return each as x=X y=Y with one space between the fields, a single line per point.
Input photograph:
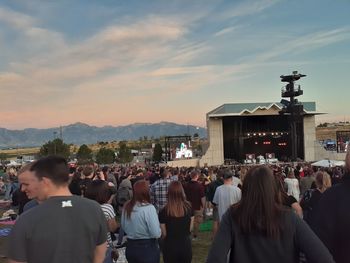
x=195 y=195
x=88 y=174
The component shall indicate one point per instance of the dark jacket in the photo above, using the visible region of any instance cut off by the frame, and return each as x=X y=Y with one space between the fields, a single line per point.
x=296 y=237
x=210 y=190
x=331 y=220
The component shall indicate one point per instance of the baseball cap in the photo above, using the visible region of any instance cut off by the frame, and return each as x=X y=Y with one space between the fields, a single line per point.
x=227 y=174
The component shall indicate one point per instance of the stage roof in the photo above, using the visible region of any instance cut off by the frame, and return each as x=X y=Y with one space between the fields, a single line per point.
x=239 y=109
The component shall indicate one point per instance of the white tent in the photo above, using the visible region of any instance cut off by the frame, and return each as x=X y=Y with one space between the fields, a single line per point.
x=13 y=163
x=328 y=163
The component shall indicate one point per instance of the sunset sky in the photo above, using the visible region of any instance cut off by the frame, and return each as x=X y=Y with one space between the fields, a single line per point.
x=116 y=62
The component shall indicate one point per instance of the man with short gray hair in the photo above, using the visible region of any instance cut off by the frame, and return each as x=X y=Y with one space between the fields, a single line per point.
x=226 y=194
x=64 y=228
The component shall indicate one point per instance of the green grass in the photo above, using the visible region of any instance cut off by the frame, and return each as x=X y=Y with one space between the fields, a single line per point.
x=200 y=247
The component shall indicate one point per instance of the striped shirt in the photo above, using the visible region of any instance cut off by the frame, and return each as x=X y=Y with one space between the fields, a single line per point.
x=108 y=211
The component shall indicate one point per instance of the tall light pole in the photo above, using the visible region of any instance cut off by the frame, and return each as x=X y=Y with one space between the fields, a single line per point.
x=54 y=141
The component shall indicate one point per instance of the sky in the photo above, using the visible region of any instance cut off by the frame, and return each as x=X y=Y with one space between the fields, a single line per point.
x=115 y=62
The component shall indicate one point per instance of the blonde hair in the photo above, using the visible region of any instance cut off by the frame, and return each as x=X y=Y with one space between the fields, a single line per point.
x=323 y=181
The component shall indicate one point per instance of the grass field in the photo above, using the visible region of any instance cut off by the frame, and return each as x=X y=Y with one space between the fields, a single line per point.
x=200 y=247
x=20 y=151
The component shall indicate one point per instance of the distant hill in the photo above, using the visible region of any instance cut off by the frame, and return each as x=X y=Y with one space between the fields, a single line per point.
x=80 y=133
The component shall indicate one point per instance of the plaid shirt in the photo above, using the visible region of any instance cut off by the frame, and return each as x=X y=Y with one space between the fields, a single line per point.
x=159 y=191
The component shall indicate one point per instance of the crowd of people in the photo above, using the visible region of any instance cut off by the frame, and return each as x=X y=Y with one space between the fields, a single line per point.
x=267 y=213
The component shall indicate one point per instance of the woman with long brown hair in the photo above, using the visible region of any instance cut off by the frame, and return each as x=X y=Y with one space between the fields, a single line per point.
x=176 y=221
x=140 y=221
x=259 y=229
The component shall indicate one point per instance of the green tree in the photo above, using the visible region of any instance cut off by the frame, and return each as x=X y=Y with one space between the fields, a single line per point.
x=84 y=154
x=55 y=147
x=3 y=157
x=125 y=155
x=157 y=152
x=105 y=156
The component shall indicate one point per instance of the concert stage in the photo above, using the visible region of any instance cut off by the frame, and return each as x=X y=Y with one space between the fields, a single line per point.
x=237 y=130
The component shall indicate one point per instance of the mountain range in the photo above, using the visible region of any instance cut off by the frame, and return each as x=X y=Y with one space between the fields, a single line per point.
x=81 y=133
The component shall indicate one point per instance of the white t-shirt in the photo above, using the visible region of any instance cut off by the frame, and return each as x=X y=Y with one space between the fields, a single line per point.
x=225 y=196
x=293 y=187
x=236 y=181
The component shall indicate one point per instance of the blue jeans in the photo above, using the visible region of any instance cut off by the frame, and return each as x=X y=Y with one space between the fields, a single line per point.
x=142 y=251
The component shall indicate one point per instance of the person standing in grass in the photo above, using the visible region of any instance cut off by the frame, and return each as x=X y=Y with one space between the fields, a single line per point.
x=195 y=195
x=226 y=194
x=176 y=221
x=140 y=222
x=259 y=229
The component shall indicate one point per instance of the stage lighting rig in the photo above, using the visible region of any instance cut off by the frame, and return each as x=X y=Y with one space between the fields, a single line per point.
x=293 y=108
x=291 y=78
x=291 y=90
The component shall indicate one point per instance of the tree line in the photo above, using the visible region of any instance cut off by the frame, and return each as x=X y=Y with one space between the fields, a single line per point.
x=104 y=155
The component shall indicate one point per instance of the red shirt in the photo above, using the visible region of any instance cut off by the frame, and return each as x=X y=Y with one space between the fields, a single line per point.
x=194 y=192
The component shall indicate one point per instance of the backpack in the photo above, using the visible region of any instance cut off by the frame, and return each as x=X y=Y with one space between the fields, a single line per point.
x=124 y=194
x=307 y=196
x=305 y=204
